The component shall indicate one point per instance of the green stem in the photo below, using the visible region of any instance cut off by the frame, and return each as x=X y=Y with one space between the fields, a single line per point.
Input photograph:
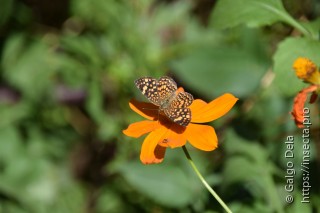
x=214 y=194
x=291 y=21
x=287 y=18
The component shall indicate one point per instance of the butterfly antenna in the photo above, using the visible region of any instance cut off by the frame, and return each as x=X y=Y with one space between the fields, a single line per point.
x=149 y=108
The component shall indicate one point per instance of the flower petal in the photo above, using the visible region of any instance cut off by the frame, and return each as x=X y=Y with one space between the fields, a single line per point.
x=313 y=98
x=146 y=110
x=298 y=105
x=174 y=137
x=159 y=153
x=202 y=113
x=180 y=89
x=197 y=106
x=149 y=153
x=137 y=129
x=202 y=137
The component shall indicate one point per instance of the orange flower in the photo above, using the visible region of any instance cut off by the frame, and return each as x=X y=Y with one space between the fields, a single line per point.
x=307 y=71
x=298 y=105
x=165 y=133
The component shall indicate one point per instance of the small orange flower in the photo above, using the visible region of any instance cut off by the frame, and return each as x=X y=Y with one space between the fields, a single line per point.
x=307 y=71
x=298 y=105
x=165 y=133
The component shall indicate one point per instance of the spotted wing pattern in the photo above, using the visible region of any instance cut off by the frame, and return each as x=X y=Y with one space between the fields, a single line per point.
x=182 y=100
x=178 y=111
x=166 y=88
x=162 y=93
x=181 y=116
x=149 y=88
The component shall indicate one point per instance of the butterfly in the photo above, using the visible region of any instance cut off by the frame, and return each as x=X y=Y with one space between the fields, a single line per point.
x=163 y=93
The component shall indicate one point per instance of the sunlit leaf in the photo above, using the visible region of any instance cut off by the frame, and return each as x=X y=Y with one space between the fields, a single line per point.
x=158 y=183
x=254 y=13
x=214 y=71
x=288 y=51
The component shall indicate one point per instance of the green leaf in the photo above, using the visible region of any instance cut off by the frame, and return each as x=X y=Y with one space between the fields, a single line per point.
x=6 y=10
x=315 y=199
x=94 y=103
x=29 y=66
x=249 y=164
x=245 y=174
x=288 y=51
x=71 y=198
x=11 y=114
x=256 y=206
x=110 y=201
x=253 y=13
x=313 y=27
x=251 y=150
x=86 y=49
x=213 y=71
x=297 y=206
x=10 y=144
x=164 y=183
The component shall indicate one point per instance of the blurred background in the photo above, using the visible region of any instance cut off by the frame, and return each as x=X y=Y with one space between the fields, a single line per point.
x=67 y=71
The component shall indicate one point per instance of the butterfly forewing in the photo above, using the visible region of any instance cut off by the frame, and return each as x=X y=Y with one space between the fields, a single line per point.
x=149 y=88
x=166 y=88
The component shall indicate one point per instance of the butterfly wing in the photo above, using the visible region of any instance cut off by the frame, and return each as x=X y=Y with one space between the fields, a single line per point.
x=182 y=100
x=181 y=116
x=162 y=93
x=178 y=111
x=149 y=88
x=166 y=88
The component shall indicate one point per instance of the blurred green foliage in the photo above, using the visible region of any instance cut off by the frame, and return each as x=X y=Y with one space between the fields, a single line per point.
x=67 y=71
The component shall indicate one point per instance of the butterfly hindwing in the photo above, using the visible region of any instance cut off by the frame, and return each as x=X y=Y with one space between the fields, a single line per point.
x=163 y=93
x=181 y=116
x=182 y=100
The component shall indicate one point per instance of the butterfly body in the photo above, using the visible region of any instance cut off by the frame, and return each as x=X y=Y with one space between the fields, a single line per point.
x=163 y=93
x=166 y=103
